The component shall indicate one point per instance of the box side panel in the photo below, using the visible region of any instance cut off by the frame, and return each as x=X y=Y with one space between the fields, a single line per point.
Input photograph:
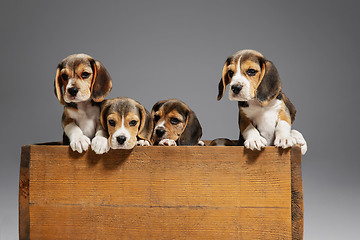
x=297 y=202
x=161 y=193
x=24 y=217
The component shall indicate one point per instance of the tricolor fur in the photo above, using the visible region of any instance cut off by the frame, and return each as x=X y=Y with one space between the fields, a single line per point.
x=126 y=122
x=265 y=113
x=81 y=84
x=175 y=124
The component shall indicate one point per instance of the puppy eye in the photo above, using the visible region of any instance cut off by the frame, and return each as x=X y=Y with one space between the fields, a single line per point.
x=132 y=123
x=156 y=118
x=112 y=123
x=251 y=72
x=65 y=77
x=230 y=73
x=85 y=75
x=174 y=121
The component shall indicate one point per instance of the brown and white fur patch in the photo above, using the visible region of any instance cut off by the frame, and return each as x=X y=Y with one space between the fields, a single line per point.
x=265 y=113
x=175 y=124
x=127 y=123
x=81 y=84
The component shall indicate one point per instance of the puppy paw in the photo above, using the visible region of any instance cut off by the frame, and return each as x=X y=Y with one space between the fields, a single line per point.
x=284 y=141
x=201 y=143
x=167 y=142
x=100 y=145
x=80 y=143
x=300 y=141
x=142 y=143
x=255 y=143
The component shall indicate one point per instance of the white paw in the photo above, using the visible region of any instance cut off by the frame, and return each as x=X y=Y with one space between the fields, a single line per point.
x=100 y=145
x=201 y=143
x=167 y=142
x=80 y=143
x=284 y=141
x=255 y=143
x=300 y=141
x=142 y=143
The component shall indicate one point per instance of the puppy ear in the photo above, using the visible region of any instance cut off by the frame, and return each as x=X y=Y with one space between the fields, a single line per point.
x=224 y=81
x=146 y=124
x=101 y=83
x=270 y=85
x=157 y=106
x=104 y=111
x=58 y=85
x=192 y=131
x=289 y=105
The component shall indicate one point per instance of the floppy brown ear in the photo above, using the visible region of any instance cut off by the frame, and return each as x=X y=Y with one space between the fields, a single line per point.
x=156 y=107
x=289 y=105
x=58 y=85
x=104 y=111
x=270 y=85
x=146 y=124
x=193 y=131
x=101 y=83
x=224 y=81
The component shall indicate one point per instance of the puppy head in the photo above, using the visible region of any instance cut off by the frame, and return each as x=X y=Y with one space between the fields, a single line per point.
x=174 y=120
x=80 y=78
x=126 y=121
x=250 y=76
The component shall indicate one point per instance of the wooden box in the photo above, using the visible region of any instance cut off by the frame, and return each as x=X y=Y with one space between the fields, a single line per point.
x=185 y=192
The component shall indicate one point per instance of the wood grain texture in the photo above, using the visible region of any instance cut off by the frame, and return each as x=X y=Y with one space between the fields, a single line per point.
x=297 y=202
x=160 y=193
x=24 y=216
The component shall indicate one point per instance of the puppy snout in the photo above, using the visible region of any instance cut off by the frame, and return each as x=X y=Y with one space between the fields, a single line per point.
x=73 y=91
x=236 y=88
x=121 y=139
x=160 y=132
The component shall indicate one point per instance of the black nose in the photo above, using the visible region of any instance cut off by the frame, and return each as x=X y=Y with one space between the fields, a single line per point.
x=73 y=91
x=160 y=132
x=121 y=139
x=236 y=88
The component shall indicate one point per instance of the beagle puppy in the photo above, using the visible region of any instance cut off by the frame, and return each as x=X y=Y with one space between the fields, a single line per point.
x=175 y=124
x=265 y=113
x=81 y=84
x=127 y=123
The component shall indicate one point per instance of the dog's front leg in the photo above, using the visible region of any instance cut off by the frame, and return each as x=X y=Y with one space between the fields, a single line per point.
x=78 y=141
x=253 y=139
x=283 y=136
x=300 y=140
x=99 y=143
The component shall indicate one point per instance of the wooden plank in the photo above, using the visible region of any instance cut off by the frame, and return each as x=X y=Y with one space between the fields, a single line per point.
x=297 y=202
x=160 y=193
x=24 y=216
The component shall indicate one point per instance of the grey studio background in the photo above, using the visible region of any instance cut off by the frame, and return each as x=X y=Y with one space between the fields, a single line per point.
x=163 y=49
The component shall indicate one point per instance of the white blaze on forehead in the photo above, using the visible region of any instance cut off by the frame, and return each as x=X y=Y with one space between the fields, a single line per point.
x=238 y=65
x=122 y=131
x=239 y=79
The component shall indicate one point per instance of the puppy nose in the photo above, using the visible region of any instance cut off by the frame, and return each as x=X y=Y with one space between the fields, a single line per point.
x=236 y=88
x=121 y=139
x=160 y=132
x=73 y=91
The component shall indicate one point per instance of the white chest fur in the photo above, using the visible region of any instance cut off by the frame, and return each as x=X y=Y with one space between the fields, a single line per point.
x=264 y=118
x=86 y=117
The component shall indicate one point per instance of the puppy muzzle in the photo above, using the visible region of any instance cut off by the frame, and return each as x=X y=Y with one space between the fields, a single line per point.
x=236 y=88
x=239 y=92
x=160 y=132
x=121 y=140
x=73 y=91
